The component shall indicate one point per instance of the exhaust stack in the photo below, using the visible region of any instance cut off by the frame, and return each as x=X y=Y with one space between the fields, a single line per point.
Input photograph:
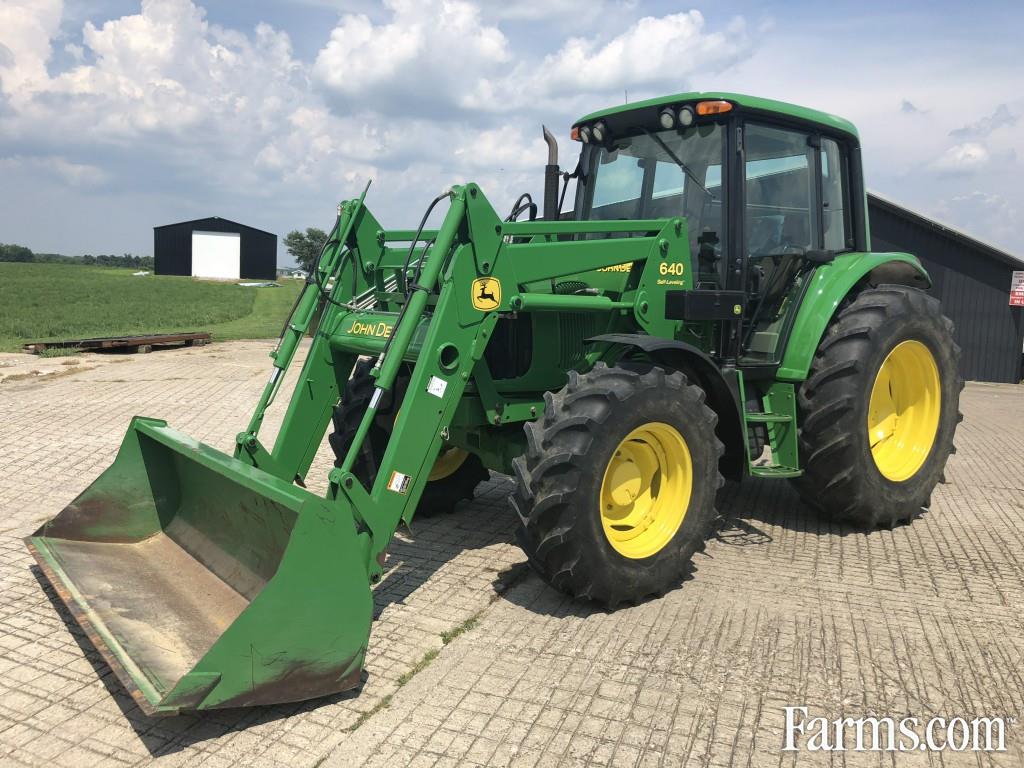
x=551 y=174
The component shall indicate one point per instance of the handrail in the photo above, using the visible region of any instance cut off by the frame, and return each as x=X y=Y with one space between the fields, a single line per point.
x=546 y=302
x=406 y=235
x=541 y=227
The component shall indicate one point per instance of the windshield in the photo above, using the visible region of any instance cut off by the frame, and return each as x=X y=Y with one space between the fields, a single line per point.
x=658 y=175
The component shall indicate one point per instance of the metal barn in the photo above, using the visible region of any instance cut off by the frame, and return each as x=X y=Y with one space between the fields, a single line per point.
x=970 y=278
x=215 y=248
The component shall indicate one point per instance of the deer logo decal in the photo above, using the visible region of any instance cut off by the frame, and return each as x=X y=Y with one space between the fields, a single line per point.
x=486 y=294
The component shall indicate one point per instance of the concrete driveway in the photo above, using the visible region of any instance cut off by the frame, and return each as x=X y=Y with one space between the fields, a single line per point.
x=474 y=661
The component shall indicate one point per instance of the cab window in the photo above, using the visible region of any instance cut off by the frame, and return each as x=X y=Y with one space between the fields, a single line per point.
x=835 y=194
x=621 y=185
x=669 y=179
x=780 y=214
x=660 y=175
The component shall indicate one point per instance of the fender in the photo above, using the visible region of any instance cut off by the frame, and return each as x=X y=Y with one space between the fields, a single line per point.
x=830 y=284
x=720 y=386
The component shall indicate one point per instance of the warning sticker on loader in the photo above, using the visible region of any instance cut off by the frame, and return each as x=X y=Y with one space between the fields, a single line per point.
x=399 y=483
x=436 y=386
x=486 y=293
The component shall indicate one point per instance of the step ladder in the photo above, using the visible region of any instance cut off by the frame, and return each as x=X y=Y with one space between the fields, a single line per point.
x=778 y=414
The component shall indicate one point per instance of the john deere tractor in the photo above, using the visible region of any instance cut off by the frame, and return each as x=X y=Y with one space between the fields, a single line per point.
x=709 y=308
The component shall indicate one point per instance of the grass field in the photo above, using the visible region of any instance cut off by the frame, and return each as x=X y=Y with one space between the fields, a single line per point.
x=40 y=302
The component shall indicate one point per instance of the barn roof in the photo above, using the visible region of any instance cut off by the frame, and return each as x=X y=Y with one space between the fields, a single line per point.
x=945 y=230
x=214 y=218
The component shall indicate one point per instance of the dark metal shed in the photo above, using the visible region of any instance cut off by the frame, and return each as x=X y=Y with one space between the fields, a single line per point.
x=246 y=253
x=970 y=278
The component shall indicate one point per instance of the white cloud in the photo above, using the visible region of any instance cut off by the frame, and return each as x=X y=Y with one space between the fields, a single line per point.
x=431 y=50
x=988 y=216
x=168 y=113
x=60 y=168
x=545 y=10
x=76 y=52
x=1002 y=117
x=227 y=107
x=314 y=140
x=501 y=149
x=653 y=55
x=163 y=99
x=968 y=156
x=652 y=52
x=167 y=70
x=444 y=52
x=26 y=29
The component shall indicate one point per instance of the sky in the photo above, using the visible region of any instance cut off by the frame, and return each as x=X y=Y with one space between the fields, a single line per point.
x=118 y=116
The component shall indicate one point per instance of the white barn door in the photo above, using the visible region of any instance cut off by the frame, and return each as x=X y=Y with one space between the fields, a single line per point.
x=217 y=254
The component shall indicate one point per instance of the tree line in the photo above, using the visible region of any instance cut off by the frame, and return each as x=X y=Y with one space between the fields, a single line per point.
x=19 y=253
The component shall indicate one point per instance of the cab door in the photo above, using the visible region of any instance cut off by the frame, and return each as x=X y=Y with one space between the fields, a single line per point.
x=795 y=199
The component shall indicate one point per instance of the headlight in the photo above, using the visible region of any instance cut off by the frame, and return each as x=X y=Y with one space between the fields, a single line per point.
x=600 y=132
x=585 y=135
x=685 y=116
x=667 y=119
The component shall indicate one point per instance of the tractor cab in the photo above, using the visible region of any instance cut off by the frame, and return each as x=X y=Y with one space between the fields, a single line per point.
x=765 y=188
x=658 y=174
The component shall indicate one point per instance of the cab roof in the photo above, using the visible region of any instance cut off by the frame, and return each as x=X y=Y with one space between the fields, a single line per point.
x=793 y=111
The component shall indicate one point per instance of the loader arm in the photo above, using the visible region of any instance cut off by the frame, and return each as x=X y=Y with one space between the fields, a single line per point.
x=209 y=580
x=442 y=330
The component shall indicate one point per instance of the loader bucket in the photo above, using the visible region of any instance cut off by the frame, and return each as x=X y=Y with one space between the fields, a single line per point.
x=205 y=582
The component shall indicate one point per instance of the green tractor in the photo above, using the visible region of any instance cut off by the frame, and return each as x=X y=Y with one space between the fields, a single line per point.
x=709 y=309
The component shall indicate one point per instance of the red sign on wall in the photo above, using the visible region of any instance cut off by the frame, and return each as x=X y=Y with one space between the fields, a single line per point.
x=1017 y=289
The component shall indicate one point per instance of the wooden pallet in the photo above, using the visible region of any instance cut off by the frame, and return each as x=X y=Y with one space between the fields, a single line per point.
x=126 y=343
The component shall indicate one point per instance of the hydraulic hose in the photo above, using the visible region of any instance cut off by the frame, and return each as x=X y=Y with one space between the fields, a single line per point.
x=419 y=263
x=288 y=317
x=405 y=268
x=523 y=203
x=315 y=274
x=416 y=239
x=335 y=239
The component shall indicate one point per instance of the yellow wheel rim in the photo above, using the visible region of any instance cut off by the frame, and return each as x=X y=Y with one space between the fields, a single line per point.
x=447 y=463
x=903 y=413
x=646 y=490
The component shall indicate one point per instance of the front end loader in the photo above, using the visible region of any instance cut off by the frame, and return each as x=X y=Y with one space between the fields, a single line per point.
x=709 y=308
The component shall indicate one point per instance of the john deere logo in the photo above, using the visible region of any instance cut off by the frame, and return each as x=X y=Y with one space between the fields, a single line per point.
x=486 y=294
x=369 y=329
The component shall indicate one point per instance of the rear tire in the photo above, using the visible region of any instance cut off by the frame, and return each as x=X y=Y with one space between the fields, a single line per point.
x=458 y=480
x=592 y=529
x=872 y=372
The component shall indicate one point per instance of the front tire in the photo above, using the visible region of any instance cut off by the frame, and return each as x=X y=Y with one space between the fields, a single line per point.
x=453 y=478
x=879 y=409
x=616 y=491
